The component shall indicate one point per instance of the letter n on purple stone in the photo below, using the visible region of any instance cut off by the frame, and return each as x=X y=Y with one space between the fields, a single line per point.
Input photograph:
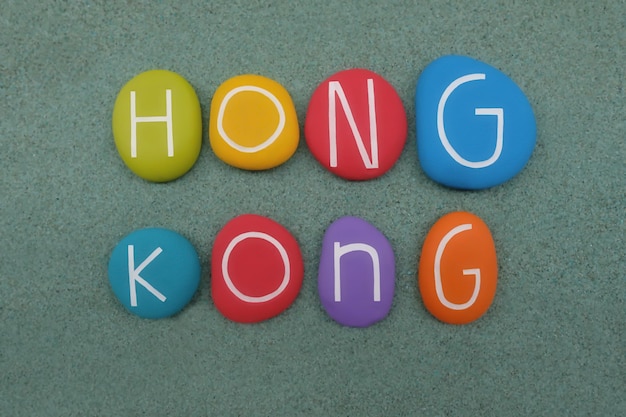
x=357 y=273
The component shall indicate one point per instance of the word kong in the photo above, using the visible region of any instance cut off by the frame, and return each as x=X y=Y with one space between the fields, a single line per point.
x=475 y=127
x=257 y=270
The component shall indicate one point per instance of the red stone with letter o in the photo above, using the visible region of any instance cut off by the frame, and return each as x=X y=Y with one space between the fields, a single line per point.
x=256 y=269
x=356 y=124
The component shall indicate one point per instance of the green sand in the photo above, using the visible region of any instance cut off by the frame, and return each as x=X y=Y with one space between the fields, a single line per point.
x=553 y=342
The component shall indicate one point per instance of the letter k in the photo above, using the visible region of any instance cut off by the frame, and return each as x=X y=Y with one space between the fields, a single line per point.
x=133 y=275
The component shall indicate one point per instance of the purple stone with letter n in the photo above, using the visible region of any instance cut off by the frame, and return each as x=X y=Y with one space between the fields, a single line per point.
x=357 y=273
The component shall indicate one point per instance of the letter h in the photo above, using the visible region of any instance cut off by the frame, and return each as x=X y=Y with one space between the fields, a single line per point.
x=134 y=119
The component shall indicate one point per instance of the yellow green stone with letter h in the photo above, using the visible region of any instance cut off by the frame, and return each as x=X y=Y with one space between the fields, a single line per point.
x=157 y=125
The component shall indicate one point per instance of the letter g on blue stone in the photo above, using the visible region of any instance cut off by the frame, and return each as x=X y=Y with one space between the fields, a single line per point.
x=475 y=127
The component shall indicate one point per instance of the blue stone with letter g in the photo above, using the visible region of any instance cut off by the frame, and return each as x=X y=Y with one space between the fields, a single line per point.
x=475 y=127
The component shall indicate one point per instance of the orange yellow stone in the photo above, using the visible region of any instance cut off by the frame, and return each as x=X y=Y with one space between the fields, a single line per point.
x=253 y=123
x=458 y=268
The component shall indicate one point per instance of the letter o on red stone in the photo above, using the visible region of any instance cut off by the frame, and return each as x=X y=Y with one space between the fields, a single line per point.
x=256 y=269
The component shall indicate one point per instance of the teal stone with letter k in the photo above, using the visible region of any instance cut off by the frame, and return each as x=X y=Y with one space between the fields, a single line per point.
x=475 y=127
x=154 y=272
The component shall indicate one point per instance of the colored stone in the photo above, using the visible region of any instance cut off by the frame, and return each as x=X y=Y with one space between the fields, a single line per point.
x=458 y=268
x=257 y=269
x=475 y=127
x=356 y=273
x=356 y=124
x=154 y=272
x=253 y=123
x=157 y=125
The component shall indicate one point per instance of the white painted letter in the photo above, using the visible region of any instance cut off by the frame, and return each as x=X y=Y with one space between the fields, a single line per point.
x=268 y=141
x=335 y=89
x=133 y=275
x=134 y=119
x=498 y=112
x=283 y=255
x=339 y=251
x=476 y=271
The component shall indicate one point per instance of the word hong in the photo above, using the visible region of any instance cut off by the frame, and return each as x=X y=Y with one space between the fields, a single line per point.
x=475 y=127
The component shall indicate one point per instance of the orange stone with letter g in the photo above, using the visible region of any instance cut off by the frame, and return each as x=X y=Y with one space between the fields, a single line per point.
x=458 y=268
